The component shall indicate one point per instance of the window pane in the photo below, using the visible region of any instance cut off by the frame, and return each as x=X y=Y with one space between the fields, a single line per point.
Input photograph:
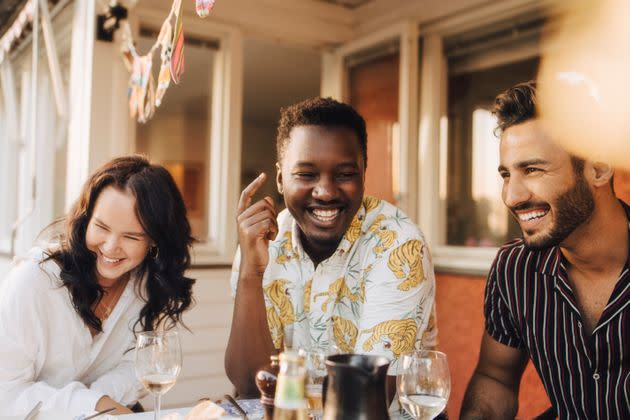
x=178 y=135
x=476 y=215
x=271 y=82
x=373 y=86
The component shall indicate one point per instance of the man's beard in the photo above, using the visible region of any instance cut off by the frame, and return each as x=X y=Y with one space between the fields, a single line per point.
x=572 y=209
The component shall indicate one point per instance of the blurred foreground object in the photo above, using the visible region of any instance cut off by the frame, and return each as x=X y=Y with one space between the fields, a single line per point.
x=584 y=88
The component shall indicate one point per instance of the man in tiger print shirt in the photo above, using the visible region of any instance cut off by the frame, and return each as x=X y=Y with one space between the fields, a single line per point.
x=334 y=268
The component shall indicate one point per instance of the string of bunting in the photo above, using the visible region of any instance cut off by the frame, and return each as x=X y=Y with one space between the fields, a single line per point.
x=143 y=94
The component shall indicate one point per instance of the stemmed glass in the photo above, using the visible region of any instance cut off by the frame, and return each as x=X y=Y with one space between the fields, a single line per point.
x=424 y=383
x=315 y=364
x=158 y=363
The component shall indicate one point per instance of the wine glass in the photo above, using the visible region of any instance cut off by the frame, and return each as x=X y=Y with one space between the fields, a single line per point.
x=315 y=364
x=158 y=363
x=424 y=383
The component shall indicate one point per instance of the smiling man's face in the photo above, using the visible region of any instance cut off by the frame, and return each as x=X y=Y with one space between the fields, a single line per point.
x=541 y=189
x=322 y=176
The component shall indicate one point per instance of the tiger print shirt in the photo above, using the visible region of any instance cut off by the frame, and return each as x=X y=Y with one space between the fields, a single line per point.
x=374 y=295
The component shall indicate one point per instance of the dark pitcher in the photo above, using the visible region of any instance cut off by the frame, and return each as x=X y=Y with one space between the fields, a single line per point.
x=355 y=387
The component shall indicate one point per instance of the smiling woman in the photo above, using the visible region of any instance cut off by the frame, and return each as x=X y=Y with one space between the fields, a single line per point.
x=117 y=269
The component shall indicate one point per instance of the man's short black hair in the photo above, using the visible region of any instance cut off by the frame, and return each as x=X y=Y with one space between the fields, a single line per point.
x=323 y=112
x=515 y=105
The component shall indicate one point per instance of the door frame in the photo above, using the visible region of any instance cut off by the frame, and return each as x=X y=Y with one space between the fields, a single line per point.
x=335 y=79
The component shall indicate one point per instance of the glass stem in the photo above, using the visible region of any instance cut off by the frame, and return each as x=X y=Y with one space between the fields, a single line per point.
x=156 y=405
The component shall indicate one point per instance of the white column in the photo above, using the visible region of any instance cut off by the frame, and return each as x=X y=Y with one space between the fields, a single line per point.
x=408 y=116
x=8 y=151
x=432 y=100
x=332 y=75
x=83 y=27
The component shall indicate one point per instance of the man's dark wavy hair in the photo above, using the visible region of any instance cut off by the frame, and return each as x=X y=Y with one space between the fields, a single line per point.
x=323 y=112
x=162 y=213
x=515 y=105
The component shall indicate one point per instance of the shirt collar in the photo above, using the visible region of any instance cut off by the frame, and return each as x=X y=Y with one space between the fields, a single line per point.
x=296 y=243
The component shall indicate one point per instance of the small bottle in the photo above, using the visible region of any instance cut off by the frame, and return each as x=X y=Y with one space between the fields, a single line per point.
x=290 y=400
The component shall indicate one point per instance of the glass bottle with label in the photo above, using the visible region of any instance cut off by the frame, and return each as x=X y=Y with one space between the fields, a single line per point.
x=290 y=400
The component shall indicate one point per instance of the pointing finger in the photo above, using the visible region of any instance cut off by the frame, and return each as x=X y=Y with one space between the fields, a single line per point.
x=249 y=191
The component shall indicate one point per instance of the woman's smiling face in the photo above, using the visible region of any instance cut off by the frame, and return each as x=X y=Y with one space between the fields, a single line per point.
x=116 y=236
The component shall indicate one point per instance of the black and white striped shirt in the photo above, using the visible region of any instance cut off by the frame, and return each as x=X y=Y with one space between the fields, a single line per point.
x=529 y=304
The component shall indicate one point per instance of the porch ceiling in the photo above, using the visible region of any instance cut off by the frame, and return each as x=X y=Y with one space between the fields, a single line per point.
x=351 y=4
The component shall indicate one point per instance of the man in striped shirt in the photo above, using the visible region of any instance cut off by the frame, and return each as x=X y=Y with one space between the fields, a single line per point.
x=561 y=295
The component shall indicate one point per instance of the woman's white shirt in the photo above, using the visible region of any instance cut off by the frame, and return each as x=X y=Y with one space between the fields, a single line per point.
x=47 y=352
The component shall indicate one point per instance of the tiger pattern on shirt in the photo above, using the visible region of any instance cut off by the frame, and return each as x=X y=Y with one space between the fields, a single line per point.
x=339 y=290
x=307 y=296
x=281 y=312
x=345 y=333
x=406 y=263
x=286 y=249
x=354 y=231
x=401 y=334
x=386 y=237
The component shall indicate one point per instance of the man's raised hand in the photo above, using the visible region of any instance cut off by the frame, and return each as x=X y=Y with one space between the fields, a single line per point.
x=257 y=225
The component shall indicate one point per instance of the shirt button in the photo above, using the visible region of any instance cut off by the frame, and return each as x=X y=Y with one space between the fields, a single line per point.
x=596 y=376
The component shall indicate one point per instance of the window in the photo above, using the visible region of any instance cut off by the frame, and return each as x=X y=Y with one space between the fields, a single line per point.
x=466 y=61
x=475 y=213
x=270 y=83
x=196 y=132
x=179 y=134
x=32 y=169
x=373 y=86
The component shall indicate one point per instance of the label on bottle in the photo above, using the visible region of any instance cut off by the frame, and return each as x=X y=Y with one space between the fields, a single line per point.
x=290 y=392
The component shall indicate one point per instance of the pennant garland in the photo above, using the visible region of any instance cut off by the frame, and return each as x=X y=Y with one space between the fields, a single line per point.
x=164 y=78
x=204 y=7
x=142 y=92
x=177 y=59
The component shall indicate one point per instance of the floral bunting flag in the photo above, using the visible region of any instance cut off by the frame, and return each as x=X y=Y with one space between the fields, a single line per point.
x=143 y=94
x=164 y=78
x=177 y=59
x=203 y=7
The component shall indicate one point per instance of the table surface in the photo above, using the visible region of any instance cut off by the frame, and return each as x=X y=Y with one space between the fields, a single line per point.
x=55 y=415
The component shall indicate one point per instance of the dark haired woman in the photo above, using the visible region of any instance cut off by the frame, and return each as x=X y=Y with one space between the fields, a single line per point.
x=68 y=313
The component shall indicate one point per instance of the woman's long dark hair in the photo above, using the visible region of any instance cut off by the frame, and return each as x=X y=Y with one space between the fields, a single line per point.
x=162 y=213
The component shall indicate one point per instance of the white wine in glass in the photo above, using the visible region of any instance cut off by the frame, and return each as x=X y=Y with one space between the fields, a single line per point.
x=315 y=364
x=158 y=363
x=424 y=383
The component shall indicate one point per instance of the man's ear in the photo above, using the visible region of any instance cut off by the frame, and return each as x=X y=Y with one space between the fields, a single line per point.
x=279 y=178
x=600 y=173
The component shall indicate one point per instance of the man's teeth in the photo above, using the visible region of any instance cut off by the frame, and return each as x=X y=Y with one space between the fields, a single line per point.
x=110 y=260
x=325 y=215
x=531 y=215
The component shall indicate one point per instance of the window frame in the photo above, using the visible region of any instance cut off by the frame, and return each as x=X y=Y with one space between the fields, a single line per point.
x=432 y=138
x=224 y=134
x=28 y=178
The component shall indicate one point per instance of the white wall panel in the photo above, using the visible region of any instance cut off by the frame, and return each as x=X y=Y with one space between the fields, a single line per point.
x=203 y=374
